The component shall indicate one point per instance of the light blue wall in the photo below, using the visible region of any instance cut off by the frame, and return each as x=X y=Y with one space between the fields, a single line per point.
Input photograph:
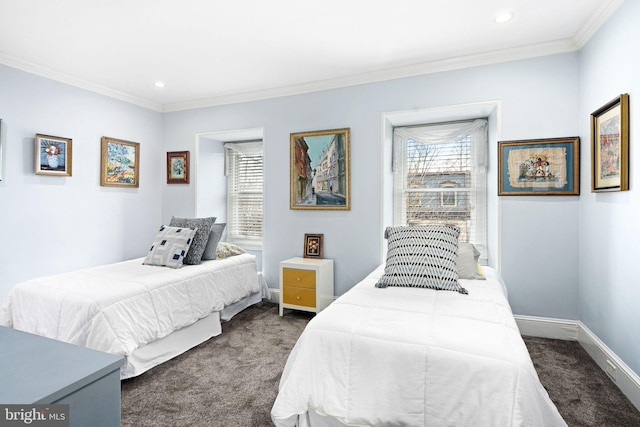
x=538 y=236
x=54 y=224
x=609 y=293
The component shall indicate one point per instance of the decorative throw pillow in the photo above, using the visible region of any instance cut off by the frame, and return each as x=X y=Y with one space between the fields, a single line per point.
x=170 y=246
x=225 y=250
x=212 y=244
x=467 y=264
x=422 y=257
x=202 y=227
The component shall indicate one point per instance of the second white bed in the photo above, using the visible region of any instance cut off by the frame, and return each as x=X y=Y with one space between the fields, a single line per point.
x=145 y=313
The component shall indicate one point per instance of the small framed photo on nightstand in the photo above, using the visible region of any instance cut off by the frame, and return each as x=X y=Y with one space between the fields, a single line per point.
x=313 y=246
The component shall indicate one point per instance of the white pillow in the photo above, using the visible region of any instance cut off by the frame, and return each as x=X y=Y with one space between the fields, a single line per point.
x=467 y=264
x=170 y=246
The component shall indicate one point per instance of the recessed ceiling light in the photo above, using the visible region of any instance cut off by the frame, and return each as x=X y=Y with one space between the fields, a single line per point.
x=159 y=84
x=503 y=17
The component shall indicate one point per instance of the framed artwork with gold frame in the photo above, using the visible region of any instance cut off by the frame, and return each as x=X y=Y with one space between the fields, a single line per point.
x=53 y=155
x=610 y=146
x=120 y=163
x=320 y=170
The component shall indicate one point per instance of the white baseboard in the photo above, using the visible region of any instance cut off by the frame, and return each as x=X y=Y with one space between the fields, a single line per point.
x=274 y=295
x=544 y=327
x=572 y=330
x=623 y=376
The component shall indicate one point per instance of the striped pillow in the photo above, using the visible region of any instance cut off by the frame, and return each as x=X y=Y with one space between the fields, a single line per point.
x=422 y=257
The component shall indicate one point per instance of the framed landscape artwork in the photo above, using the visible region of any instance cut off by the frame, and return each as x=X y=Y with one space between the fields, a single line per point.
x=539 y=167
x=610 y=146
x=178 y=167
x=320 y=170
x=53 y=155
x=120 y=163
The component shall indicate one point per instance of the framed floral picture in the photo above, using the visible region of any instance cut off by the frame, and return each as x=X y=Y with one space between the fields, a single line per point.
x=178 y=167
x=313 y=246
x=610 y=146
x=53 y=155
x=120 y=163
x=320 y=170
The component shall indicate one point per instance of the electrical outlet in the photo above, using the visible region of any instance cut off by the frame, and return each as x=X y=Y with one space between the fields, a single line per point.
x=611 y=370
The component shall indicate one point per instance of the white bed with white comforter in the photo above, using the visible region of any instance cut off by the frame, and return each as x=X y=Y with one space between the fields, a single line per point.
x=145 y=313
x=401 y=356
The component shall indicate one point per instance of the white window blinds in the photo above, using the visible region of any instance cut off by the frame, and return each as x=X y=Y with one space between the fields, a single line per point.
x=440 y=177
x=245 y=200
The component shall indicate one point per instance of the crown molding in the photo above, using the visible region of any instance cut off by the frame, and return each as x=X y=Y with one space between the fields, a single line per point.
x=450 y=64
x=431 y=67
x=605 y=10
x=29 y=67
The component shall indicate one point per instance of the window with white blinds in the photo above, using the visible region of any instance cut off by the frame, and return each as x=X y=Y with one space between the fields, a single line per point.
x=439 y=174
x=245 y=200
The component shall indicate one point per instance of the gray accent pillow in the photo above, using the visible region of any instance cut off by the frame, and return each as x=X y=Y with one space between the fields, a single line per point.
x=170 y=246
x=203 y=226
x=467 y=264
x=422 y=257
x=212 y=244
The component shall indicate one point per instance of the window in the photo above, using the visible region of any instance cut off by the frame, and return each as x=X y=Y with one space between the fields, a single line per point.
x=440 y=177
x=448 y=198
x=245 y=201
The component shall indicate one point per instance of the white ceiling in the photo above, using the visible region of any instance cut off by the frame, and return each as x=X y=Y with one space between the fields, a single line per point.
x=211 y=52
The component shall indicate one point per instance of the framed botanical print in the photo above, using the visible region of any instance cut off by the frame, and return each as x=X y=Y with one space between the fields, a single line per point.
x=610 y=146
x=120 y=163
x=53 y=155
x=313 y=245
x=178 y=167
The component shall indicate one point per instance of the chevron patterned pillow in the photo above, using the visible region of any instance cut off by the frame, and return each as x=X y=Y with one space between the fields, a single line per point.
x=422 y=257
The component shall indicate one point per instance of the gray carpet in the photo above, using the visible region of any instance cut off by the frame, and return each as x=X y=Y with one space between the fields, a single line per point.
x=232 y=380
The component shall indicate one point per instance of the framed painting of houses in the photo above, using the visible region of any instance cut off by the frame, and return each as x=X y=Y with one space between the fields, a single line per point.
x=610 y=146
x=53 y=155
x=120 y=163
x=539 y=167
x=320 y=170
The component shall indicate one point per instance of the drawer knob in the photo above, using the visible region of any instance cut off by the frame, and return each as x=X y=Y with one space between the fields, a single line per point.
x=298 y=297
x=297 y=279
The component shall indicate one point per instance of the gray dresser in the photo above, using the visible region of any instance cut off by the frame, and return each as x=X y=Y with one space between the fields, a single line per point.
x=37 y=370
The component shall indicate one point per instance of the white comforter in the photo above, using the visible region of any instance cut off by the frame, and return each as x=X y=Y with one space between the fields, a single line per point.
x=415 y=357
x=120 y=307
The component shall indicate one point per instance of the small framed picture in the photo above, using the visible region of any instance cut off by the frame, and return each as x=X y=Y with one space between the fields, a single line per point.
x=313 y=246
x=178 y=167
x=610 y=146
x=53 y=155
x=120 y=163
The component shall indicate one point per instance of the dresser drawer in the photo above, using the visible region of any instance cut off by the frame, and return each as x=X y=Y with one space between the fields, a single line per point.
x=299 y=278
x=299 y=296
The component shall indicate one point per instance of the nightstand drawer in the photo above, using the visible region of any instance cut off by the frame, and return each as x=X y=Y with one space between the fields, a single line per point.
x=299 y=296
x=299 y=278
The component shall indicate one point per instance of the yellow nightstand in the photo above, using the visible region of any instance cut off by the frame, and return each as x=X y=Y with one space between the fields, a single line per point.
x=306 y=284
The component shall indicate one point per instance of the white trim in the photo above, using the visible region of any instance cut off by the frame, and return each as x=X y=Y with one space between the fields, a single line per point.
x=573 y=330
x=624 y=377
x=548 y=328
x=605 y=11
x=41 y=71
